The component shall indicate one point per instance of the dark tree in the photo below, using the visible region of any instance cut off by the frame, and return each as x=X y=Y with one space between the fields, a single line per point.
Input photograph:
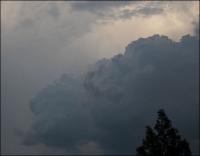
x=163 y=140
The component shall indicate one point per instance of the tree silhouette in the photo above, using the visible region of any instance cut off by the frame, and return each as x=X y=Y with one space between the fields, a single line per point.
x=163 y=140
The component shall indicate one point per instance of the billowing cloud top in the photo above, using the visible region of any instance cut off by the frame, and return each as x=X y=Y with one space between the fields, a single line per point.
x=113 y=102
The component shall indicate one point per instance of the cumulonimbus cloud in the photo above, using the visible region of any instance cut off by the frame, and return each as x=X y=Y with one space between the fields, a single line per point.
x=112 y=103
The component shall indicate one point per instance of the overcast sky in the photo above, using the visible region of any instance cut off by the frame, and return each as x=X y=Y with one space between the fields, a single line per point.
x=41 y=40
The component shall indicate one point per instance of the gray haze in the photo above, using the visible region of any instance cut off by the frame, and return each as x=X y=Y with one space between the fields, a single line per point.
x=36 y=51
x=43 y=40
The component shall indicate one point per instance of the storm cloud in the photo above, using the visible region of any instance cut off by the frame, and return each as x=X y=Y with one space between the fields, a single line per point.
x=110 y=105
x=42 y=40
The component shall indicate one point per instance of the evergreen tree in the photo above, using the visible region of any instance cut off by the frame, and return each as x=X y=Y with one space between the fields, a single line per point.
x=163 y=140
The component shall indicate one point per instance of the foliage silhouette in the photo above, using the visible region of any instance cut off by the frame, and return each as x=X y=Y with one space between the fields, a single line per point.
x=163 y=140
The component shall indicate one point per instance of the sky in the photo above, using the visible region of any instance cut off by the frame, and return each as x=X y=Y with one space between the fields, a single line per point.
x=43 y=40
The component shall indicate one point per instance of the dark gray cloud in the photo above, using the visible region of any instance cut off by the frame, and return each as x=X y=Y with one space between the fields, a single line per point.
x=145 y=11
x=106 y=10
x=103 y=10
x=112 y=103
x=61 y=114
x=96 y=6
